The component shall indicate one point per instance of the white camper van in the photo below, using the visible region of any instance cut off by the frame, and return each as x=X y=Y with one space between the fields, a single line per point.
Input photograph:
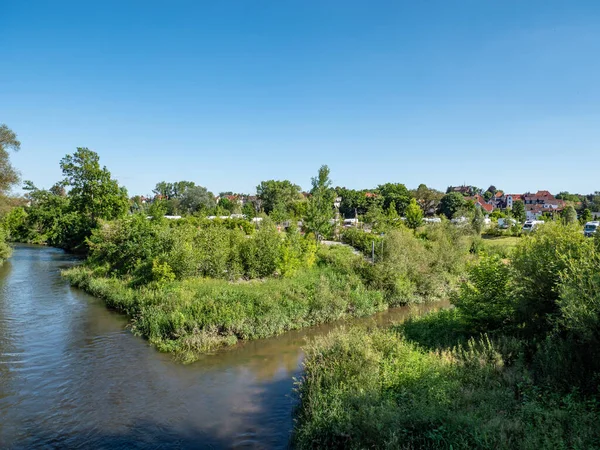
x=591 y=228
x=531 y=225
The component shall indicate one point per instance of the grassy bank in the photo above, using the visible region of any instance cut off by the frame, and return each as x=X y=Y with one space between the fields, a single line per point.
x=199 y=315
x=380 y=390
x=516 y=363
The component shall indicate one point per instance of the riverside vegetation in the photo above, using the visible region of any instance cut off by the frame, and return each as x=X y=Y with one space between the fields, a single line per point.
x=194 y=285
x=515 y=363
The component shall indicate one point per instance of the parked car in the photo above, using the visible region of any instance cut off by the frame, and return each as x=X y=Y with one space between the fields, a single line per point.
x=531 y=225
x=591 y=228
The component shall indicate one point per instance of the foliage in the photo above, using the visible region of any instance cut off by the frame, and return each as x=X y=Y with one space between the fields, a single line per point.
x=373 y=389
x=5 y=250
x=451 y=203
x=279 y=197
x=168 y=191
x=396 y=193
x=414 y=215
x=538 y=262
x=427 y=198
x=93 y=193
x=478 y=221
x=586 y=216
x=198 y=315
x=8 y=175
x=485 y=299
x=196 y=198
x=518 y=211
x=569 y=216
x=320 y=205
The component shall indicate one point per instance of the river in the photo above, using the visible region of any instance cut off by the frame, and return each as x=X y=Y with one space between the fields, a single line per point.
x=72 y=376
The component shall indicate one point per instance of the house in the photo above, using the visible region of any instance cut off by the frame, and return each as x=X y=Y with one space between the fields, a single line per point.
x=541 y=202
x=510 y=199
x=481 y=203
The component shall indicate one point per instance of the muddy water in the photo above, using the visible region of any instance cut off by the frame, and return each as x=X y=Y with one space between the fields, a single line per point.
x=72 y=376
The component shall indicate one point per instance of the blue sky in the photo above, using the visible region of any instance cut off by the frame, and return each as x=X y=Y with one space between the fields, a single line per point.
x=229 y=93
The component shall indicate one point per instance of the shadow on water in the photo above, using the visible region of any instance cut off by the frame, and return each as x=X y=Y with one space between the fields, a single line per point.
x=71 y=376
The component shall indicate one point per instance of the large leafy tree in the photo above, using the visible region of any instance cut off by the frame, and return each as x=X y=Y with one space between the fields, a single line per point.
x=427 y=198
x=93 y=193
x=320 y=204
x=8 y=174
x=278 y=196
x=197 y=198
x=569 y=215
x=518 y=211
x=451 y=203
x=397 y=193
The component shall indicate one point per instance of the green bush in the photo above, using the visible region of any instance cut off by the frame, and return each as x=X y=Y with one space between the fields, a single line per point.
x=5 y=250
x=372 y=389
x=537 y=263
x=485 y=298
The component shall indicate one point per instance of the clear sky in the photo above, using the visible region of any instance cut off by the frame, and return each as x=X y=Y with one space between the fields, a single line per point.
x=229 y=93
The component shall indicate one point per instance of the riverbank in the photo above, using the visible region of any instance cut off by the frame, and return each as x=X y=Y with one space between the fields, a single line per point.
x=187 y=301
x=514 y=365
x=195 y=316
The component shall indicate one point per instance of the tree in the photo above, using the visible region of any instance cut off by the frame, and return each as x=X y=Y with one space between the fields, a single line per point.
x=586 y=216
x=320 y=204
x=249 y=210
x=451 y=203
x=353 y=202
x=93 y=194
x=569 y=215
x=397 y=193
x=487 y=195
x=427 y=198
x=278 y=195
x=414 y=215
x=478 y=221
x=518 y=211
x=196 y=198
x=8 y=175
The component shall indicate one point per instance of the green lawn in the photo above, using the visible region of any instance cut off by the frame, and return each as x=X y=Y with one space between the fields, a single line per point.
x=501 y=245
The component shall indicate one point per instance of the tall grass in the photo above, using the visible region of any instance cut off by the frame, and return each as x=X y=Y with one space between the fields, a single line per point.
x=374 y=389
x=200 y=315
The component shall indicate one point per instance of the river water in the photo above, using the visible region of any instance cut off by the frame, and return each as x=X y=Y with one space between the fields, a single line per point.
x=72 y=376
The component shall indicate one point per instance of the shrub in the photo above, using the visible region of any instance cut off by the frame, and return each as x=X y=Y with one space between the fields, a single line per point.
x=537 y=263
x=485 y=298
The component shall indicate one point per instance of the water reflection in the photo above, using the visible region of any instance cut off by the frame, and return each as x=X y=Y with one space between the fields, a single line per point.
x=72 y=376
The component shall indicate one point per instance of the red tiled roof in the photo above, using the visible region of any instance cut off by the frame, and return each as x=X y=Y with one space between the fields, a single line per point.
x=487 y=207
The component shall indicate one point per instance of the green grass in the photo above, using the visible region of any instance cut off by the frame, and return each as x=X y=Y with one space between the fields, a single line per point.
x=377 y=389
x=501 y=246
x=197 y=315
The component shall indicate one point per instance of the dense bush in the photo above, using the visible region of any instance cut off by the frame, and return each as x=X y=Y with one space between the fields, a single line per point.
x=137 y=247
x=198 y=315
x=375 y=390
x=5 y=250
x=485 y=298
x=416 y=268
x=537 y=264
x=362 y=241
